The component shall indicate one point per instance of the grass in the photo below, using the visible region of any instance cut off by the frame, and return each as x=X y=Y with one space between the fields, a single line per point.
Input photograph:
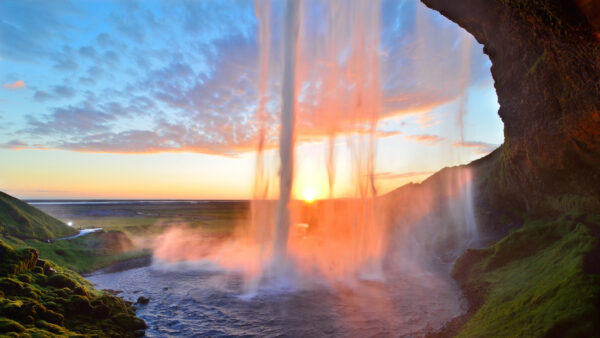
x=82 y=254
x=21 y=219
x=532 y=283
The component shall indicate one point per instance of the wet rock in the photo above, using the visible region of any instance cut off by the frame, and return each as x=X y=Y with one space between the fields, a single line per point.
x=112 y=292
x=142 y=300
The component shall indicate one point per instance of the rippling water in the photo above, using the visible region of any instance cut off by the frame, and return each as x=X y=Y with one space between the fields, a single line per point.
x=202 y=303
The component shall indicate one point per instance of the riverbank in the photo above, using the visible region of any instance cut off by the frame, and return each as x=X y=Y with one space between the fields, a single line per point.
x=123 y=265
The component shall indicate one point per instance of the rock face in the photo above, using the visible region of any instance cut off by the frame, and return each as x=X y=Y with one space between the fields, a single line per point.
x=546 y=66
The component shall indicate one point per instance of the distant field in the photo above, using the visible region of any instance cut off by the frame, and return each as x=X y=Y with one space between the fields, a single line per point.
x=129 y=227
x=147 y=217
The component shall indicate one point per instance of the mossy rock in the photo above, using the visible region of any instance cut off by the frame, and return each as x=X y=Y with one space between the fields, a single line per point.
x=56 y=329
x=13 y=262
x=8 y=325
x=79 y=305
x=40 y=299
x=60 y=281
x=11 y=286
x=129 y=322
x=53 y=317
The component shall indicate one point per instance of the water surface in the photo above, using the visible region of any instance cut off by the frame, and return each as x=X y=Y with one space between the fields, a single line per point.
x=192 y=302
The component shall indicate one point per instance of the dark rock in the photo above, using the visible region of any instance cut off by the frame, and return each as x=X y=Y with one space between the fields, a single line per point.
x=143 y=300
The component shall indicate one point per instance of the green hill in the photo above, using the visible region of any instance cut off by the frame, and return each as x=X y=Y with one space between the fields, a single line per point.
x=20 y=219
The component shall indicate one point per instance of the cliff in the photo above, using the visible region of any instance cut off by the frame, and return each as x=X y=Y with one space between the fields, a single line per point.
x=546 y=67
x=544 y=278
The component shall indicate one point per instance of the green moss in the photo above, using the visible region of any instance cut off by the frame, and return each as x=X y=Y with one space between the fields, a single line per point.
x=58 y=302
x=8 y=325
x=532 y=283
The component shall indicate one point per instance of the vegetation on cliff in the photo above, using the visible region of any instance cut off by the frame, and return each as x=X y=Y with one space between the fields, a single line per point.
x=38 y=298
x=535 y=282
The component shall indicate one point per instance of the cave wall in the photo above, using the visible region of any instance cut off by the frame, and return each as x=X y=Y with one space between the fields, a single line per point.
x=546 y=67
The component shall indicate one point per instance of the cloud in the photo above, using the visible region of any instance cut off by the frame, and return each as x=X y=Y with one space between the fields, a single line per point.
x=41 y=96
x=19 y=84
x=185 y=78
x=57 y=92
x=82 y=119
x=89 y=52
x=392 y=176
x=14 y=145
x=479 y=147
x=425 y=138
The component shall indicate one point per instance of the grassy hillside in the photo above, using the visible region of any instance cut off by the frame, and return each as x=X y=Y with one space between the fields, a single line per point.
x=20 y=219
x=25 y=226
x=86 y=253
x=40 y=299
x=539 y=281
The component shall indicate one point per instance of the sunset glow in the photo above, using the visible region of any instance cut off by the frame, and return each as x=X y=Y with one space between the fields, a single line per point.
x=117 y=111
x=308 y=195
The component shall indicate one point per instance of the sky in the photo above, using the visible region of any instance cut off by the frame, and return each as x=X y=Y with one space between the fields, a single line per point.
x=158 y=99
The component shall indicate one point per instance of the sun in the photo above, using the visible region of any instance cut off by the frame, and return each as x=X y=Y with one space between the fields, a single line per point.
x=309 y=195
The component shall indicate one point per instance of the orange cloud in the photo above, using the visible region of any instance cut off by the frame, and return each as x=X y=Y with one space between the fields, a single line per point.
x=425 y=138
x=391 y=176
x=15 y=85
x=479 y=147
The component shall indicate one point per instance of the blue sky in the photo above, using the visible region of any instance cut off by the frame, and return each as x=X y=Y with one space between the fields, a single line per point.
x=148 y=78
